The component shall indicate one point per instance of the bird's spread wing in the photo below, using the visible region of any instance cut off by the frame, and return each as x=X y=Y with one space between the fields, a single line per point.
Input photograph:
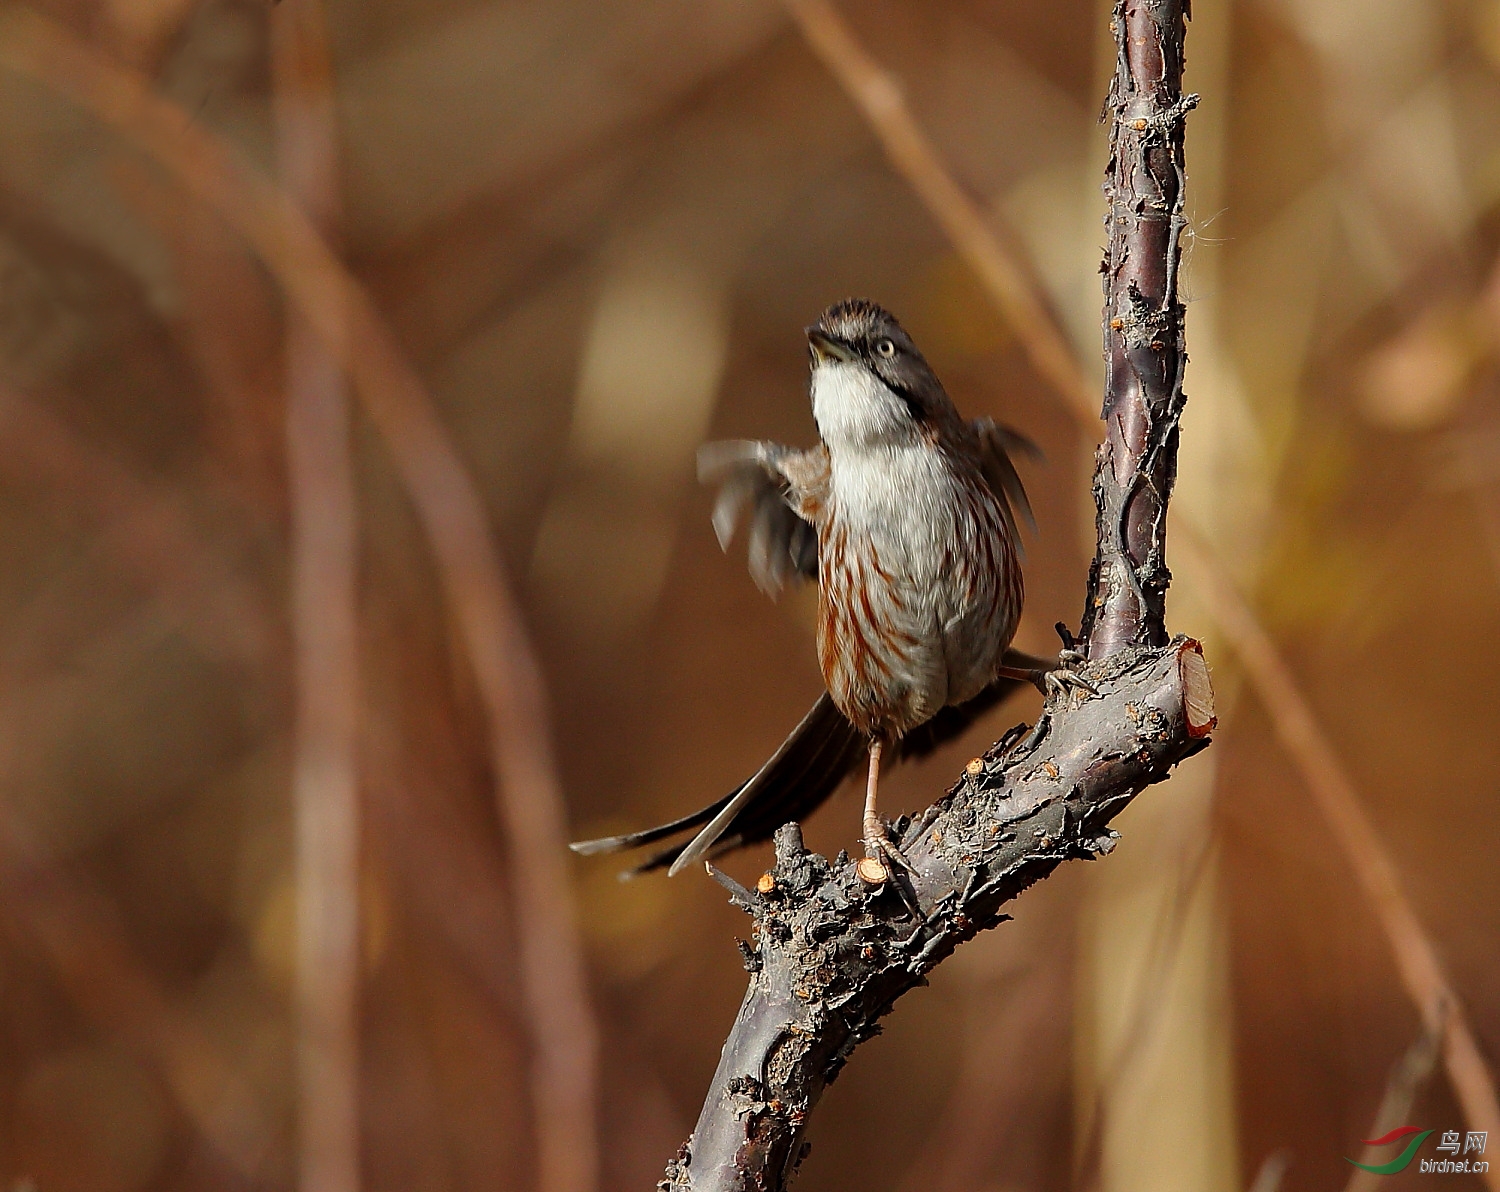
x=996 y=443
x=769 y=480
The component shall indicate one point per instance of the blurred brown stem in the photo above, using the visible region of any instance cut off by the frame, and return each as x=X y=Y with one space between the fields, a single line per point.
x=146 y=534
x=879 y=98
x=878 y=95
x=1478 y=454
x=1335 y=796
x=142 y=528
x=1161 y=954
x=506 y=672
x=324 y=604
x=1408 y=1075
x=140 y=30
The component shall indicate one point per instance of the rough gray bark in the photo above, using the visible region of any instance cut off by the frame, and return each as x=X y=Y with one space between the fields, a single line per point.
x=829 y=956
x=1144 y=350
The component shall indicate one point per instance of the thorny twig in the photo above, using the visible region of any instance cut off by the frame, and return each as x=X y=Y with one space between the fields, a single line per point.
x=879 y=98
x=831 y=955
x=507 y=675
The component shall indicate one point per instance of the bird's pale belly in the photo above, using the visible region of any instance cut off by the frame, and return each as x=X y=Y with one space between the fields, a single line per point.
x=897 y=641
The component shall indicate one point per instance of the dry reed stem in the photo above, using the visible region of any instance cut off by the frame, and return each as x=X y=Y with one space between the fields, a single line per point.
x=324 y=617
x=559 y=1018
x=1303 y=738
x=1007 y=282
x=1407 y=1078
x=146 y=535
x=141 y=30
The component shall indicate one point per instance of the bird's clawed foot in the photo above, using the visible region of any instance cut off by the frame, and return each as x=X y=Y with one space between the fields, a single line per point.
x=1050 y=678
x=1064 y=678
x=880 y=849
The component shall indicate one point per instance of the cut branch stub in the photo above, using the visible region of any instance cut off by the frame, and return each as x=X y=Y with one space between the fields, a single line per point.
x=830 y=956
x=1143 y=335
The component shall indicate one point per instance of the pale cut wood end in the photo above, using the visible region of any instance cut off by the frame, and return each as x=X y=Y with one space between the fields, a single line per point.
x=1197 y=691
x=870 y=871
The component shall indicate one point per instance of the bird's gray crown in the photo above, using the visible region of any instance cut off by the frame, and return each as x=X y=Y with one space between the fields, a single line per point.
x=859 y=332
x=859 y=325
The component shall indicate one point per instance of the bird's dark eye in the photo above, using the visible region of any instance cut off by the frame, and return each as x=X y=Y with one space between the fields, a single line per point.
x=885 y=347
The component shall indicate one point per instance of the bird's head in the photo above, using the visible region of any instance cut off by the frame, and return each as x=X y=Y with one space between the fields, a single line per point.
x=870 y=384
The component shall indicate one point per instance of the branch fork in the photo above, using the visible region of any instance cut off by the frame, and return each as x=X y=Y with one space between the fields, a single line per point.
x=829 y=956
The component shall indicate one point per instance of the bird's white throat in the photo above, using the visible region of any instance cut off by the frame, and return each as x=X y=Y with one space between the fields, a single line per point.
x=885 y=476
x=855 y=410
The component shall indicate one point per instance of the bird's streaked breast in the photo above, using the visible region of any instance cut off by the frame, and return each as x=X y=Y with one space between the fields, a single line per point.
x=920 y=586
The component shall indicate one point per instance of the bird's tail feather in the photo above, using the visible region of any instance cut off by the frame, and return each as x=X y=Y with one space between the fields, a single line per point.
x=812 y=762
x=619 y=844
x=800 y=783
x=825 y=754
x=808 y=767
x=778 y=783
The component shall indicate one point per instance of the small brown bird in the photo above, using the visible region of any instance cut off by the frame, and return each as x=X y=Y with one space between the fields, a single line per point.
x=905 y=513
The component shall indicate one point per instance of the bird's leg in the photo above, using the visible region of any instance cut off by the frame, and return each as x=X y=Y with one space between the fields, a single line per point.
x=877 y=842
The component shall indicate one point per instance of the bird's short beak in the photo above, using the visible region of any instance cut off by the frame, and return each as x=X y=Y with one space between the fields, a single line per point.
x=826 y=349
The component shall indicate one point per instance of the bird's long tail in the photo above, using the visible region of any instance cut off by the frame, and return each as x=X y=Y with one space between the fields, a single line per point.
x=822 y=751
x=814 y=759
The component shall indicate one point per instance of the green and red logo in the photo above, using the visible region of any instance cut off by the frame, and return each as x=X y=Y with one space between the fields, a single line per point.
x=1400 y=1162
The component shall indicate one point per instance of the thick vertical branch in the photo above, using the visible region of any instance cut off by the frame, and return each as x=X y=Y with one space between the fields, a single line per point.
x=324 y=609
x=1143 y=328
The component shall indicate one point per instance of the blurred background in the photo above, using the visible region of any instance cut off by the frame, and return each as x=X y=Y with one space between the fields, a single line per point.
x=596 y=230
